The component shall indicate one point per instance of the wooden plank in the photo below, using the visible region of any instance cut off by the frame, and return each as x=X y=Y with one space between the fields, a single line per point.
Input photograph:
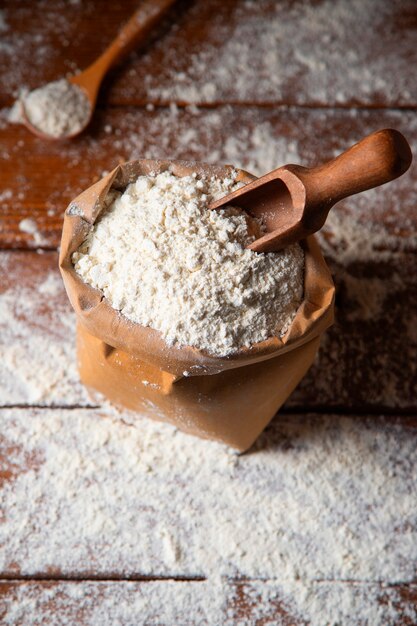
x=321 y=500
x=87 y=493
x=38 y=361
x=374 y=334
x=357 y=604
x=41 y=42
x=360 y=53
x=367 y=359
x=39 y=187
x=202 y=603
x=105 y=603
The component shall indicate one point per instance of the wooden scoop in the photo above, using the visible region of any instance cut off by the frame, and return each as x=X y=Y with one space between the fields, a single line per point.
x=136 y=29
x=293 y=201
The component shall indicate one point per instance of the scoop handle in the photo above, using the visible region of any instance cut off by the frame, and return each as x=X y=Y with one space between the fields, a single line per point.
x=137 y=28
x=373 y=161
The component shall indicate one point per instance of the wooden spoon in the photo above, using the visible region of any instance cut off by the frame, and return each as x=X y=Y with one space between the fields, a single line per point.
x=136 y=29
x=293 y=201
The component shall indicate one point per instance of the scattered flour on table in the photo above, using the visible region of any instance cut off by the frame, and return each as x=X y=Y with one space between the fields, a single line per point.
x=343 y=491
x=303 y=52
x=286 y=52
x=57 y=109
x=37 y=344
x=320 y=500
x=204 y=603
x=165 y=261
x=30 y=227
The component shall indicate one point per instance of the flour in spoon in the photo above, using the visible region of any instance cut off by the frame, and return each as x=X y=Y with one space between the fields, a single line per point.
x=164 y=260
x=58 y=109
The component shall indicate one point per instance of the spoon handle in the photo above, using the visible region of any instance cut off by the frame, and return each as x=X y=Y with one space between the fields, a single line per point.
x=136 y=29
x=377 y=159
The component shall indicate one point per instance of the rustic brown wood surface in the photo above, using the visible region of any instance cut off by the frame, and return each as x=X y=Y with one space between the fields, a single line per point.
x=288 y=52
x=188 y=597
x=256 y=84
x=254 y=138
x=293 y=201
x=356 y=343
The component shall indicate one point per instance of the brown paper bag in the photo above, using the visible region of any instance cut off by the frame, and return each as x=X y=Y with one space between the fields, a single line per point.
x=230 y=399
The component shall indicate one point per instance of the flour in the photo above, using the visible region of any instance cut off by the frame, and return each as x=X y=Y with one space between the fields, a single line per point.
x=28 y=225
x=165 y=261
x=38 y=360
x=291 y=53
x=315 y=481
x=58 y=109
x=203 y=603
x=321 y=500
x=300 y=53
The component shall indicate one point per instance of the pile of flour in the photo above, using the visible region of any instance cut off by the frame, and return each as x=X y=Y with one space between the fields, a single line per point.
x=58 y=109
x=165 y=261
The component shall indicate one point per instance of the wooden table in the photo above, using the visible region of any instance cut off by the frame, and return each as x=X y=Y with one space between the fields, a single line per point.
x=257 y=84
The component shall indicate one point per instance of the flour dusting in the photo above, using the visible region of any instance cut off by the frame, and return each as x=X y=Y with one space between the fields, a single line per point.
x=38 y=360
x=320 y=500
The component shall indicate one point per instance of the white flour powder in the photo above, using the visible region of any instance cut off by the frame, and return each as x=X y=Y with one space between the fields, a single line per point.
x=165 y=261
x=38 y=361
x=321 y=500
x=58 y=109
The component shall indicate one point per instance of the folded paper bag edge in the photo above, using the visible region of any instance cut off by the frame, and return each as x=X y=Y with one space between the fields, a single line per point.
x=314 y=315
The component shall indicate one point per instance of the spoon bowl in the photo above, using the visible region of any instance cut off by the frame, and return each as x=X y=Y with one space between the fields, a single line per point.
x=63 y=136
x=89 y=81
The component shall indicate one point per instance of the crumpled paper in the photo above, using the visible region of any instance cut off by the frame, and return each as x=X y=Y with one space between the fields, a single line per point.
x=229 y=399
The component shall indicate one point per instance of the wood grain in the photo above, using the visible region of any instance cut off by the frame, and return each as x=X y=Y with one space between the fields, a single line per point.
x=257 y=139
x=374 y=333
x=85 y=494
x=309 y=53
x=274 y=83
x=88 y=603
